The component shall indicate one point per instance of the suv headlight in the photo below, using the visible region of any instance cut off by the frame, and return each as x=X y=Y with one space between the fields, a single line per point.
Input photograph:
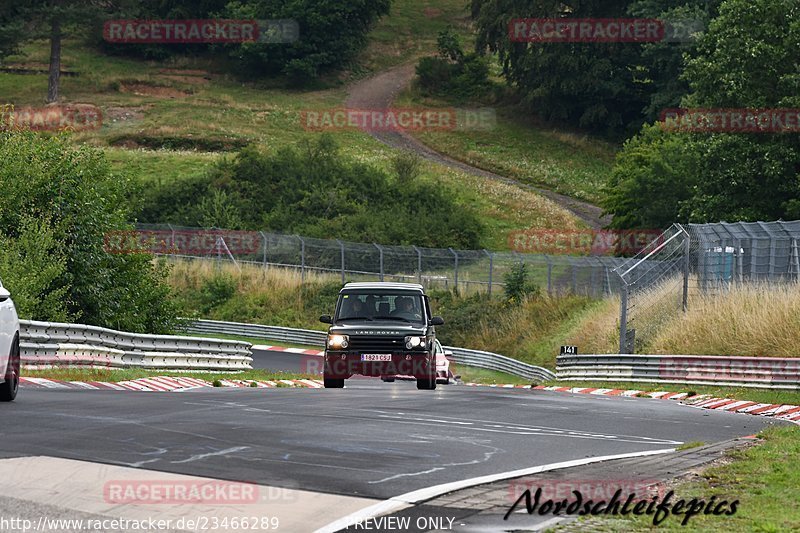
x=414 y=342
x=338 y=342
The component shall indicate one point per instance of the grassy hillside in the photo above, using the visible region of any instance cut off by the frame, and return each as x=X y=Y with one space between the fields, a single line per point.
x=167 y=121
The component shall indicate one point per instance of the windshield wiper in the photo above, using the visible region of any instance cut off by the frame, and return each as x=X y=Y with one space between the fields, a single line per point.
x=392 y=318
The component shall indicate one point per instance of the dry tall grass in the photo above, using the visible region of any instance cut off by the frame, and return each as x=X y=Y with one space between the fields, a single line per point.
x=275 y=296
x=192 y=275
x=597 y=330
x=748 y=320
x=531 y=331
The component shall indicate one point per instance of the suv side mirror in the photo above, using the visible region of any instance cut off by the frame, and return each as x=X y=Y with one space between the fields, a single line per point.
x=4 y=294
x=326 y=319
x=437 y=321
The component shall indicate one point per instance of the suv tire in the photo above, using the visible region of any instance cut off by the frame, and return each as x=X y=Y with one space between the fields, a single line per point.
x=9 y=388
x=426 y=384
x=333 y=383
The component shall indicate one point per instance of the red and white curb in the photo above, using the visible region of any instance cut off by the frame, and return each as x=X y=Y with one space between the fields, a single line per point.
x=163 y=384
x=701 y=401
x=285 y=349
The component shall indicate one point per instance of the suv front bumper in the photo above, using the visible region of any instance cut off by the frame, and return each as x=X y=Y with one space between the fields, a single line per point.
x=344 y=364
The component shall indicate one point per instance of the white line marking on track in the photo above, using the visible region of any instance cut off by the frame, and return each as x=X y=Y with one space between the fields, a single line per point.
x=212 y=454
x=398 y=503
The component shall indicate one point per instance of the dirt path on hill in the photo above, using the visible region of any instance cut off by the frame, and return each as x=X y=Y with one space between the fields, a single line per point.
x=379 y=91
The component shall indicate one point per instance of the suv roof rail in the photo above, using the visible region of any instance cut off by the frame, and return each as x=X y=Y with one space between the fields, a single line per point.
x=383 y=285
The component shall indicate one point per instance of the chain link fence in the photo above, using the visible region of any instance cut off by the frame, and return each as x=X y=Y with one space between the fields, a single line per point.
x=463 y=270
x=692 y=259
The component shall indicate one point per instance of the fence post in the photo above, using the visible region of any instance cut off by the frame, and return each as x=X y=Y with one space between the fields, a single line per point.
x=574 y=278
x=772 y=246
x=796 y=260
x=740 y=262
x=172 y=231
x=419 y=264
x=380 y=250
x=623 y=318
x=549 y=275
x=491 y=268
x=455 y=269
x=264 y=237
x=302 y=258
x=341 y=247
x=686 y=252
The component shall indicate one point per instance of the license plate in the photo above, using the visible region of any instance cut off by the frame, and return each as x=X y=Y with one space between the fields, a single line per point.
x=376 y=357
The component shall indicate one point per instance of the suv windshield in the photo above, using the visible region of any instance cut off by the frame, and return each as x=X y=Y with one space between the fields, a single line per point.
x=380 y=305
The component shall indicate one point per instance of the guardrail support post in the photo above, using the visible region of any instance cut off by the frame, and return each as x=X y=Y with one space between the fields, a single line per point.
x=491 y=269
x=380 y=250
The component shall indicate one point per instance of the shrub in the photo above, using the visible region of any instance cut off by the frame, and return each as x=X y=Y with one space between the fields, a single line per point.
x=517 y=285
x=216 y=291
x=312 y=190
x=30 y=267
x=453 y=73
x=434 y=74
x=407 y=166
x=74 y=197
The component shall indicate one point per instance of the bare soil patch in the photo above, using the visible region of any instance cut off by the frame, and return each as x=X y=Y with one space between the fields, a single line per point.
x=143 y=89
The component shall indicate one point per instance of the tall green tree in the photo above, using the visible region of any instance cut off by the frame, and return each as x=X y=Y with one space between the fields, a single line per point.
x=331 y=33
x=50 y=19
x=610 y=88
x=749 y=58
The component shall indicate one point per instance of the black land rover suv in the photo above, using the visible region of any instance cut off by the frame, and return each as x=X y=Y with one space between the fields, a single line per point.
x=381 y=329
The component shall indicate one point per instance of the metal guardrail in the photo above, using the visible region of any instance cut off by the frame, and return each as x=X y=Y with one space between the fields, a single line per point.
x=501 y=363
x=760 y=372
x=477 y=358
x=307 y=337
x=59 y=344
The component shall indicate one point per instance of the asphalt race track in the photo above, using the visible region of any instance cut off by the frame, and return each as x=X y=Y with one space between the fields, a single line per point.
x=279 y=361
x=370 y=440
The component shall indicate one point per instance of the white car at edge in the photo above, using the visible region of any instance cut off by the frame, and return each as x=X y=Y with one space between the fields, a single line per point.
x=9 y=347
